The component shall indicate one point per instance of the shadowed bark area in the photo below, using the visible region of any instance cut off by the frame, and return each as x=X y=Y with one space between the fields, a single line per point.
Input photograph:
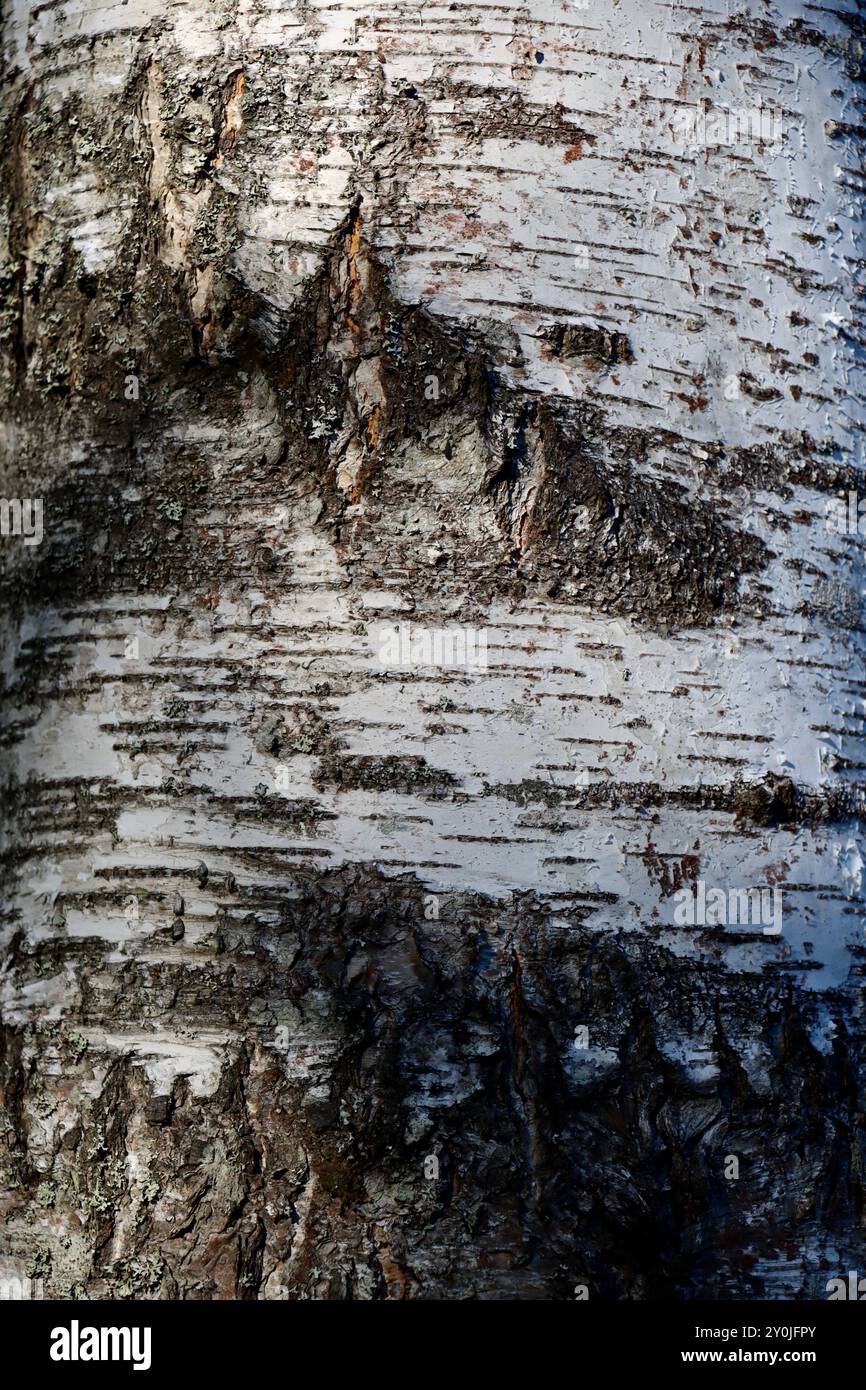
x=330 y=975
x=374 y=1039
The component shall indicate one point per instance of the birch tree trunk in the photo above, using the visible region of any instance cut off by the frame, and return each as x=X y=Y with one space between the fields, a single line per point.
x=334 y=973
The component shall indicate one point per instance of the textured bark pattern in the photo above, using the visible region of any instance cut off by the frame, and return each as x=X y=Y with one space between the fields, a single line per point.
x=321 y=319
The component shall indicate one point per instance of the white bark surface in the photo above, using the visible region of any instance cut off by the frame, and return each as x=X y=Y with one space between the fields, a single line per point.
x=647 y=349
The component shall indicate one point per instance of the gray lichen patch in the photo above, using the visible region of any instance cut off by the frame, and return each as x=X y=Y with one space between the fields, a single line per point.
x=401 y=773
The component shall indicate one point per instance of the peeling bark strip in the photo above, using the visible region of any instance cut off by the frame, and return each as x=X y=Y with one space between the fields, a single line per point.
x=337 y=971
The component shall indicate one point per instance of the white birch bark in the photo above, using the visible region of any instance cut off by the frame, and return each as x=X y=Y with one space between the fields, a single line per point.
x=540 y=321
